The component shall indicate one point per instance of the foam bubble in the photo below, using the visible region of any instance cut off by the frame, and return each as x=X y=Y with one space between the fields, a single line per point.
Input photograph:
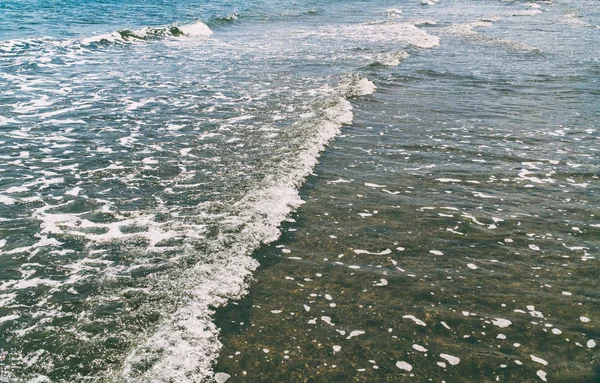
x=542 y=375
x=419 y=348
x=415 y=319
x=384 y=252
x=453 y=360
x=355 y=333
x=538 y=360
x=221 y=377
x=500 y=322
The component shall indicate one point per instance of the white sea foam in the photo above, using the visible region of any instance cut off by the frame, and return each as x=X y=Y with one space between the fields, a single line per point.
x=500 y=322
x=542 y=374
x=383 y=31
x=196 y=29
x=184 y=345
x=193 y=30
x=453 y=360
x=467 y=28
x=6 y=121
x=18 y=284
x=73 y=224
x=8 y=318
x=391 y=58
x=355 y=333
x=187 y=341
x=107 y=37
x=419 y=348
x=575 y=20
x=538 y=360
x=415 y=319
x=393 y=13
x=527 y=12
x=339 y=181
x=355 y=86
x=221 y=377
x=7 y=200
x=467 y=31
x=384 y=252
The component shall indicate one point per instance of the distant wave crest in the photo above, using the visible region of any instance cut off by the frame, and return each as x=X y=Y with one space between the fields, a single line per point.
x=125 y=36
x=128 y=35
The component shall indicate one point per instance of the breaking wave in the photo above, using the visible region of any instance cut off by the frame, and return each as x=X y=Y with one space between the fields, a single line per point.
x=184 y=346
x=125 y=36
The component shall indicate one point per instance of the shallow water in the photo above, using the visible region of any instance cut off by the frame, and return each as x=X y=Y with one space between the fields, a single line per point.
x=449 y=232
x=453 y=228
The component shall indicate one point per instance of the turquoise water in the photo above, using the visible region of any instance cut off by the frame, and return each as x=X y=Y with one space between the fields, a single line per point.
x=147 y=151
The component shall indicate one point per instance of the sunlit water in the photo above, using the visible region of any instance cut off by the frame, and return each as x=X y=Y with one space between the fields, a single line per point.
x=450 y=229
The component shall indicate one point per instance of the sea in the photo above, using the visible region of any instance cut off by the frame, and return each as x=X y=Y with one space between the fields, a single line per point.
x=299 y=191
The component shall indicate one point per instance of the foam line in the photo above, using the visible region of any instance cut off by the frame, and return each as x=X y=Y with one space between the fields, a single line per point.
x=184 y=346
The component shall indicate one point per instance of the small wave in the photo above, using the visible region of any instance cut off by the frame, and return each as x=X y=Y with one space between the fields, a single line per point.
x=128 y=35
x=419 y=22
x=219 y=21
x=16 y=45
x=183 y=348
x=393 y=13
x=576 y=20
x=527 y=12
x=196 y=29
x=390 y=58
x=391 y=31
x=467 y=31
x=467 y=28
x=356 y=86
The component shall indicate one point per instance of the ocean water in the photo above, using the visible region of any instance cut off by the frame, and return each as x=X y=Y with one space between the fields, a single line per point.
x=299 y=191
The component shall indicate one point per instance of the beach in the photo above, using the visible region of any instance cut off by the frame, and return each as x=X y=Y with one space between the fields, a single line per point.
x=333 y=191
